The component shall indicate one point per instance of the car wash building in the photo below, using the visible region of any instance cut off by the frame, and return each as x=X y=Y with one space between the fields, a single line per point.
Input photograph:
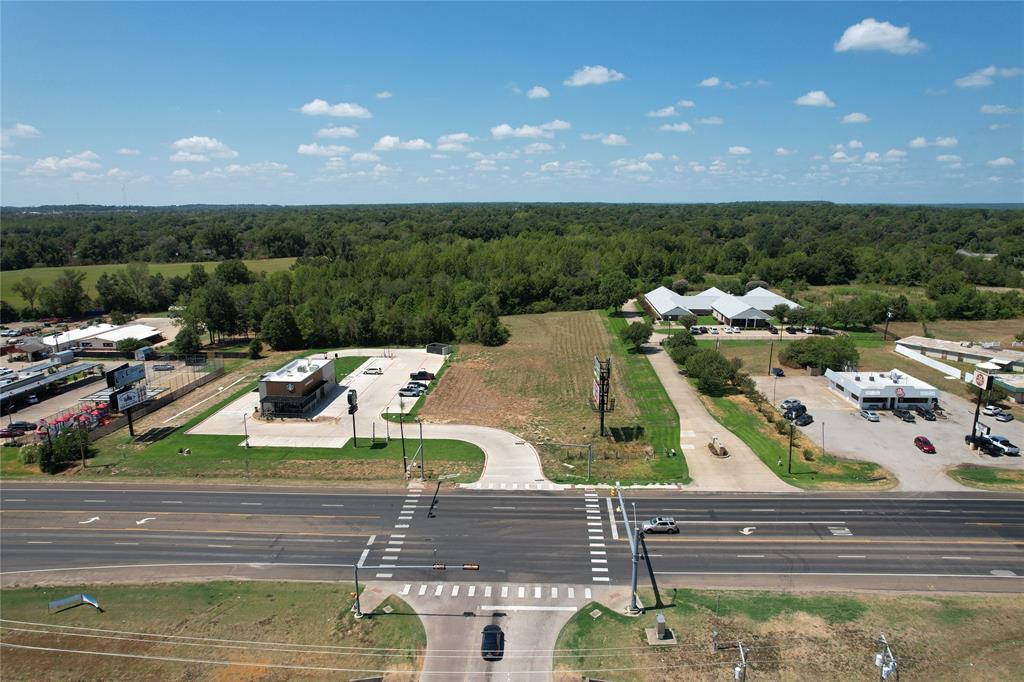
x=297 y=389
x=882 y=390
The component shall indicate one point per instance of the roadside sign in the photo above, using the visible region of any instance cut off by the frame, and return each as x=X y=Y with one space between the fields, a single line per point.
x=128 y=397
x=981 y=429
x=982 y=380
x=597 y=368
x=125 y=374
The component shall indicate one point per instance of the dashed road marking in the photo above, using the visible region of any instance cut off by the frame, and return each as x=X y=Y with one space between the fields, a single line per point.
x=383 y=575
x=370 y=541
x=455 y=590
x=471 y=591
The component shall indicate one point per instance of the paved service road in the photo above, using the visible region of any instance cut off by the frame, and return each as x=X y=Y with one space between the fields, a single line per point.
x=525 y=538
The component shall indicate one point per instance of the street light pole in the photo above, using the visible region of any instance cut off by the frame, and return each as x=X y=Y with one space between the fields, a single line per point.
x=789 y=468
x=771 y=349
x=401 y=428
x=423 y=453
x=245 y=427
x=631 y=533
x=359 y=610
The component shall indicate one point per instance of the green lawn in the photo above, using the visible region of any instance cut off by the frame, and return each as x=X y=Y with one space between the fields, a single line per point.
x=989 y=478
x=793 y=636
x=658 y=416
x=344 y=366
x=824 y=471
x=47 y=276
x=707 y=320
x=211 y=621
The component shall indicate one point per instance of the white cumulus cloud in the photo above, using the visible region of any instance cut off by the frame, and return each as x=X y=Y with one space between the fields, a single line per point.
x=384 y=94
x=543 y=130
x=190 y=148
x=676 y=128
x=538 y=92
x=782 y=151
x=18 y=131
x=871 y=35
x=710 y=82
x=921 y=142
x=126 y=151
x=947 y=158
x=55 y=165
x=997 y=109
x=856 y=117
x=653 y=156
x=982 y=78
x=1001 y=162
x=319 y=107
x=686 y=103
x=255 y=168
x=537 y=148
x=392 y=142
x=739 y=151
x=710 y=121
x=894 y=155
x=364 y=157
x=814 y=98
x=664 y=112
x=593 y=75
x=314 y=149
x=337 y=131
x=856 y=144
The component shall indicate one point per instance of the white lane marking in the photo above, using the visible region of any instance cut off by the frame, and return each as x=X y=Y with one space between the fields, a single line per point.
x=572 y=592
x=522 y=593
x=957 y=558
x=472 y=591
x=386 y=566
x=396 y=535
x=396 y=542
x=82 y=500
x=438 y=590
x=680 y=522
x=220 y=546
x=750 y=556
x=504 y=591
x=587 y=594
x=383 y=575
x=598 y=561
x=455 y=590
x=611 y=519
x=370 y=541
x=141 y=522
x=126 y=543
x=505 y=508
x=598 y=569
x=423 y=590
x=39 y=542
x=762 y=510
x=491 y=607
x=11 y=499
x=603 y=579
x=938 y=511
x=251 y=504
x=401 y=525
x=92 y=520
x=405 y=590
x=850 y=556
x=332 y=505
x=599 y=552
x=362 y=557
x=851 y=510
x=487 y=591
x=171 y=502
x=840 y=530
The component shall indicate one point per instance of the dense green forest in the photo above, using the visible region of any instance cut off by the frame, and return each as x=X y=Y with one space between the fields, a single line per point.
x=411 y=273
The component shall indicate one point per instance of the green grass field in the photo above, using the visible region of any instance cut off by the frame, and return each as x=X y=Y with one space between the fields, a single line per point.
x=824 y=471
x=268 y=623
x=47 y=276
x=658 y=415
x=346 y=365
x=792 y=636
x=989 y=478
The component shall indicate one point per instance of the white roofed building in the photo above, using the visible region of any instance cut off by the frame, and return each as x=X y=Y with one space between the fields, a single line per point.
x=108 y=339
x=298 y=388
x=751 y=310
x=882 y=390
x=664 y=303
x=74 y=337
x=735 y=312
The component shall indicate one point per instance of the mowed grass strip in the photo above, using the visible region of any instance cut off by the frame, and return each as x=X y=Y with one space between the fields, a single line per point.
x=989 y=478
x=312 y=619
x=47 y=276
x=738 y=414
x=793 y=636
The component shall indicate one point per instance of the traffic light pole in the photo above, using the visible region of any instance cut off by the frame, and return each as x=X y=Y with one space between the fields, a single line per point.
x=631 y=534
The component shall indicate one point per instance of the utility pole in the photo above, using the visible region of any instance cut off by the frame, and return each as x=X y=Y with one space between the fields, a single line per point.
x=423 y=453
x=789 y=468
x=771 y=349
x=888 y=316
x=245 y=427
x=885 y=660
x=82 y=438
x=740 y=672
x=401 y=429
x=359 y=610
x=631 y=533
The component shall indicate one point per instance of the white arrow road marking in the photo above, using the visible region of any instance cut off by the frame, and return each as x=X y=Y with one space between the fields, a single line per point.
x=748 y=530
x=95 y=518
x=148 y=518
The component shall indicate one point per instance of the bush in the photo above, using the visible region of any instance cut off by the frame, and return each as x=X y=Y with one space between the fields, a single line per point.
x=187 y=341
x=808 y=455
x=56 y=454
x=117 y=317
x=29 y=454
x=127 y=347
x=680 y=346
x=255 y=348
x=636 y=334
x=711 y=369
x=782 y=427
x=833 y=353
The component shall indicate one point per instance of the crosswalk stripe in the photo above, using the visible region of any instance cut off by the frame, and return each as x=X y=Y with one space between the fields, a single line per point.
x=586 y=593
x=487 y=591
x=554 y=593
x=597 y=544
x=455 y=590
x=598 y=569
x=472 y=591
x=522 y=592
x=597 y=552
x=401 y=525
x=383 y=575
x=405 y=590
x=438 y=590
x=572 y=593
x=598 y=561
x=423 y=590
x=504 y=590
x=598 y=578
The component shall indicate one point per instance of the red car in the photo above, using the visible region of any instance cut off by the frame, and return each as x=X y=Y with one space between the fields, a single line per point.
x=924 y=445
x=11 y=433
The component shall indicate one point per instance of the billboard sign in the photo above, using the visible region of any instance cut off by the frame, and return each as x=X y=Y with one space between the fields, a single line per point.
x=982 y=380
x=597 y=392
x=597 y=368
x=125 y=374
x=128 y=397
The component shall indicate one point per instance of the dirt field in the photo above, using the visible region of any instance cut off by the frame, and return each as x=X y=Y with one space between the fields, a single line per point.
x=801 y=637
x=1002 y=331
x=537 y=385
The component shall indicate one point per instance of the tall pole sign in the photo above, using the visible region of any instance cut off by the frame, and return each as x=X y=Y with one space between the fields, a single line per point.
x=602 y=387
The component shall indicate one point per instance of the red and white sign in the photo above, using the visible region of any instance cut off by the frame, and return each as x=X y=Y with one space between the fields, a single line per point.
x=982 y=380
x=900 y=393
x=597 y=393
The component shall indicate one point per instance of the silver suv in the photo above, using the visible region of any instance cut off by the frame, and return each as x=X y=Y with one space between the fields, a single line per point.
x=660 y=524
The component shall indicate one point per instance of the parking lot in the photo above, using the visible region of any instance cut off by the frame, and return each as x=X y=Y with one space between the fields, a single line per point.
x=840 y=429
x=331 y=426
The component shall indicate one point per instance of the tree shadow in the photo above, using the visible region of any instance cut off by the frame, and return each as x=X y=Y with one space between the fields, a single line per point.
x=626 y=434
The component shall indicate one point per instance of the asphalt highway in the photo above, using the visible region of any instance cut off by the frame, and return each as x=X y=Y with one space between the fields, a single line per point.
x=528 y=537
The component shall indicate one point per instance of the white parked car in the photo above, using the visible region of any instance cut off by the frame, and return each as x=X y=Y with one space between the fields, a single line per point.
x=373 y=370
x=869 y=415
x=808 y=330
x=728 y=330
x=991 y=410
x=713 y=330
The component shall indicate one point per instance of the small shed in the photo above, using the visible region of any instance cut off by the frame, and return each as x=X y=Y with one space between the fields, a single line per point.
x=439 y=348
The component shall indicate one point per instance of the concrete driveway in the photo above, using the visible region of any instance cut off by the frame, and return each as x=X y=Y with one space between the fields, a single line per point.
x=511 y=463
x=889 y=442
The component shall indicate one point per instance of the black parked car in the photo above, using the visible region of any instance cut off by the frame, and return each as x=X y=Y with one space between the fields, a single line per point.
x=422 y=375
x=794 y=412
x=778 y=372
x=803 y=420
x=23 y=426
x=492 y=647
x=905 y=415
x=925 y=414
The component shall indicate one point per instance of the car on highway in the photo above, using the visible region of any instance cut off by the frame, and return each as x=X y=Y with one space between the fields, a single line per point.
x=1004 y=444
x=492 y=645
x=991 y=410
x=790 y=403
x=869 y=415
x=164 y=367
x=1004 y=417
x=804 y=420
x=373 y=370
x=924 y=445
x=659 y=524
x=422 y=375
x=905 y=415
x=778 y=372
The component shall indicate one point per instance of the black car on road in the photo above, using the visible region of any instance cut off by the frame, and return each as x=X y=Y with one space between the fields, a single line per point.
x=422 y=375
x=492 y=646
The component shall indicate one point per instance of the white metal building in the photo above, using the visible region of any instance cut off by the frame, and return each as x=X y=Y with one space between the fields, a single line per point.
x=665 y=304
x=882 y=390
x=750 y=310
x=108 y=339
x=73 y=337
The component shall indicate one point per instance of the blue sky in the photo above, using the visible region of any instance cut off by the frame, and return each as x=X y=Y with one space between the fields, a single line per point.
x=173 y=103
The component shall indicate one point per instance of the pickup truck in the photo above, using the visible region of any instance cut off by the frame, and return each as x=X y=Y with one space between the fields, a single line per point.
x=1004 y=444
